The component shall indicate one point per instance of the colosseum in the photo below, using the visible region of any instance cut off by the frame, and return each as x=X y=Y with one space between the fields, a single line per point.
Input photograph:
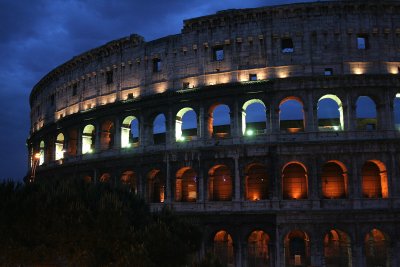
x=277 y=127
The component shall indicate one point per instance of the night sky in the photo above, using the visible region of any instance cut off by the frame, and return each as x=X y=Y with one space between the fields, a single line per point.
x=39 y=35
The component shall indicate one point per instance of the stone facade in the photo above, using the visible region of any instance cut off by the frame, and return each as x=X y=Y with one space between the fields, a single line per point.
x=296 y=194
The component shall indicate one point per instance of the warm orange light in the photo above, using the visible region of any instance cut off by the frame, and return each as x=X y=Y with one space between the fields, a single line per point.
x=37 y=156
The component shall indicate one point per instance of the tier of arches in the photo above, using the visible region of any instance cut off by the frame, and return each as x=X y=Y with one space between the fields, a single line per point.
x=220 y=120
x=337 y=249
x=257 y=182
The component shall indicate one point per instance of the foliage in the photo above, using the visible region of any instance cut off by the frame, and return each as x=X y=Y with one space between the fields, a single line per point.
x=71 y=223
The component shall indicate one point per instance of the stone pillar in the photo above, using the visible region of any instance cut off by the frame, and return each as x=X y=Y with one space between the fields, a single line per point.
x=317 y=251
x=200 y=123
x=78 y=142
x=238 y=250
x=279 y=248
x=310 y=114
x=168 y=183
x=170 y=128
x=355 y=178
x=274 y=126
x=237 y=178
x=358 y=251
x=201 y=180
x=117 y=135
x=98 y=137
x=344 y=117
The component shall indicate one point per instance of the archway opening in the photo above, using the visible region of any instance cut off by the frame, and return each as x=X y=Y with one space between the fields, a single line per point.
x=41 y=152
x=254 y=118
x=130 y=132
x=291 y=115
x=256 y=182
x=128 y=178
x=334 y=180
x=186 y=185
x=337 y=249
x=107 y=135
x=186 y=125
x=377 y=248
x=155 y=187
x=330 y=113
x=88 y=139
x=159 y=129
x=366 y=113
x=396 y=110
x=257 y=249
x=223 y=248
x=294 y=181
x=374 y=180
x=219 y=183
x=219 y=122
x=59 y=146
x=297 y=249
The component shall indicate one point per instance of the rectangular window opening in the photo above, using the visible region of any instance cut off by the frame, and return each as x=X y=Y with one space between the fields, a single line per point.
x=110 y=77
x=218 y=53
x=156 y=65
x=287 y=45
x=328 y=71
x=130 y=96
x=74 y=89
x=362 y=42
x=252 y=77
x=185 y=85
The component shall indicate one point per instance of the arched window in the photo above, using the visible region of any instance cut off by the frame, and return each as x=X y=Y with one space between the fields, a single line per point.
x=159 y=129
x=257 y=249
x=337 y=249
x=219 y=121
x=254 y=118
x=219 y=184
x=223 y=248
x=366 y=113
x=105 y=178
x=88 y=139
x=256 y=182
x=59 y=147
x=129 y=178
x=374 y=180
x=186 y=125
x=334 y=180
x=155 y=187
x=107 y=135
x=130 y=132
x=294 y=181
x=297 y=249
x=291 y=115
x=330 y=113
x=186 y=185
x=377 y=248
x=41 y=152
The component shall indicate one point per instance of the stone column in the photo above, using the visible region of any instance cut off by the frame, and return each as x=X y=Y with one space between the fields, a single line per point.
x=237 y=177
x=200 y=123
x=274 y=126
x=117 y=134
x=355 y=178
x=170 y=128
x=201 y=180
x=98 y=137
x=317 y=252
x=79 y=142
x=168 y=184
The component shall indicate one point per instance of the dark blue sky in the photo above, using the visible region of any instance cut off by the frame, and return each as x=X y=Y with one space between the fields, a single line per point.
x=38 y=35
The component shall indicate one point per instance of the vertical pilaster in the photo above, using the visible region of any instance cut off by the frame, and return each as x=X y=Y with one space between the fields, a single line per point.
x=237 y=177
x=200 y=123
x=117 y=135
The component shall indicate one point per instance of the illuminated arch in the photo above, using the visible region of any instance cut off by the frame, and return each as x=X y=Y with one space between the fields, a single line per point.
x=107 y=135
x=159 y=129
x=257 y=123
x=88 y=139
x=291 y=115
x=129 y=178
x=219 y=183
x=59 y=146
x=223 y=248
x=105 y=178
x=366 y=113
x=294 y=181
x=257 y=249
x=155 y=186
x=130 y=132
x=333 y=119
x=297 y=249
x=396 y=111
x=377 y=249
x=41 y=152
x=256 y=181
x=219 y=121
x=182 y=124
x=334 y=180
x=186 y=185
x=374 y=180
x=337 y=249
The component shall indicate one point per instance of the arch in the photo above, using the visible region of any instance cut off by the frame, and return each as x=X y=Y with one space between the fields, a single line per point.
x=291 y=115
x=219 y=122
x=294 y=181
x=258 y=249
x=396 y=111
x=107 y=135
x=159 y=129
x=366 y=113
x=330 y=113
x=155 y=186
x=334 y=180
x=186 y=185
x=297 y=249
x=377 y=249
x=59 y=146
x=223 y=248
x=186 y=125
x=219 y=183
x=88 y=139
x=337 y=249
x=129 y=178
x=256 y=181
x=130 y=132
x=41 y=152
x=374 y=180
x=105 y=177
x=254 y=117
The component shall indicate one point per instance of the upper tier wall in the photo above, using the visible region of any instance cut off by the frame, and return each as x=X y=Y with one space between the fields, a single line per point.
x=271 y=42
